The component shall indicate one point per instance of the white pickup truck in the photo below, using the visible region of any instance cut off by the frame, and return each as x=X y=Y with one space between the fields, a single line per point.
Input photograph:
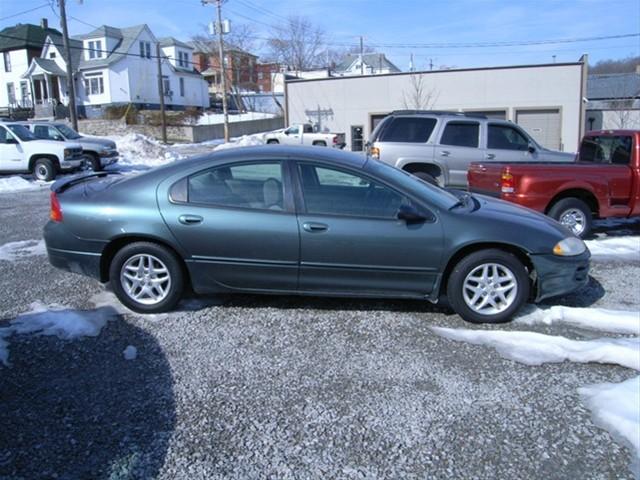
x=303 y=134
x=22 y=152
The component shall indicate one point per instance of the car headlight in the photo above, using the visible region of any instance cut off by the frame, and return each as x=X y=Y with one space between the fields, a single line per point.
x=67 y=152
x=569 y=247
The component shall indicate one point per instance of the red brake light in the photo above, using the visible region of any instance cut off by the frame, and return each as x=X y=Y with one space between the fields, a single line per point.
x=507 y=185
x=56 y=211
x=335 y=139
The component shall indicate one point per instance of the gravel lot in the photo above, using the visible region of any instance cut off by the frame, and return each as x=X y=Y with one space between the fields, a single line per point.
x=284 y=387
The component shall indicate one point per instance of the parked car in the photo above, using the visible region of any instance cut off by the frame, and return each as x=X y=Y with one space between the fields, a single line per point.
x=100 y=152
x=603 y=183
x=303 y=134
x=307 y=221
x=22 y=152
x=439 y=146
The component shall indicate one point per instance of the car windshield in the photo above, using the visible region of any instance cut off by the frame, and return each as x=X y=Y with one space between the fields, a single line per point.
x=22 y=133
x=412 y=182
x=68 y=132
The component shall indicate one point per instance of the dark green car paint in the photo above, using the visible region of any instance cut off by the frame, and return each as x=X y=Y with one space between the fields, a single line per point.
x=242 y=249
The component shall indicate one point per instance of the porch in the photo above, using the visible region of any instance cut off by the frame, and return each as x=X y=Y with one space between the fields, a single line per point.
x=48 y=87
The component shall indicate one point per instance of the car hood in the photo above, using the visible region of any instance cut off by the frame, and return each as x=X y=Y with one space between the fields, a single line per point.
x=103 y=142
x=57 y=143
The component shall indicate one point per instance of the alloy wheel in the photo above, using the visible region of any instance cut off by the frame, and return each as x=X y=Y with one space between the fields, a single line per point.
x=145 y=279
x=574 y=219
x=490 y=288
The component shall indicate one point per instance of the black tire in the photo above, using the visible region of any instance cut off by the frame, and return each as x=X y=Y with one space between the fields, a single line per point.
x=574 y=214
x=272 y=142
x=163 y=255
x=319 y=143
x=43 y=170
x=456 y=286
x=94 y=162
x=426 y=177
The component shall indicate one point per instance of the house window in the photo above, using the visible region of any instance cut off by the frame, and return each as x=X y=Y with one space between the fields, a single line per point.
x=166 y=87
x=24 y=94
x=260 y=76
x=145 y=49
x=11 y=93
x=141 y=49
x=94 y=84
x=95 y=49
x=182 y=87
x=52 y=55
x=7 y=61
x=183 y=59
x=147 y=46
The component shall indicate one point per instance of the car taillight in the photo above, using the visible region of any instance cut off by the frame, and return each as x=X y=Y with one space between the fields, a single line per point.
x=374 y=152
x=56 y=211
x=335 y=139
x=506 y=183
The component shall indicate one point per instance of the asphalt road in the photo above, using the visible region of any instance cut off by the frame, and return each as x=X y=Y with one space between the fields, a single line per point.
x=284 y=387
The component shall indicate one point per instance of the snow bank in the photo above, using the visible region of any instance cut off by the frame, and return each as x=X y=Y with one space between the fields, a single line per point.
x=19 y=184
x=61 y=321
x=245 y=141
x=25 y=248
x=216 y=118
x=142 y=152
x=533 y=348
x=612 y=321
x=621 y=248
x=616 y=408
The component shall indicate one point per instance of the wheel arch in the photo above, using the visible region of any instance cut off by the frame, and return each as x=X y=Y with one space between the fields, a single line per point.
x=586 y=196
x=48 y=156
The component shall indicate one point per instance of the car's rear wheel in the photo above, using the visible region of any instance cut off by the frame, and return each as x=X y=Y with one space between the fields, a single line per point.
x=147 y=277
x=272 y=142
x=44 y=170
x=94 y=161
x=426 y=177
x=488 y=286
x=574 y=214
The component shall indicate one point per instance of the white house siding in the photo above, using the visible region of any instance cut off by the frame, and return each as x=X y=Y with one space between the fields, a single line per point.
x=143 y=72
x=19 y=65
x=119 y=83
x=353 y=100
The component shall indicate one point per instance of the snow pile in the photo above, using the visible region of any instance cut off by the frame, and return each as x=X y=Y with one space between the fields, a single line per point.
x=244 y=141
x=621 y=248
x=217 y=118
x=140 y=152
x=533 y=348
x=19 y=184
x=616 y=408
x=613 y=321
x=13 y=251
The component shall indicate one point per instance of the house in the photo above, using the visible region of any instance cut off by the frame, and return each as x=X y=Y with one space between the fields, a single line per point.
x=366 y=64
x=613 y=101
x=240 y=67
x=116 y=66
x=264 y=75
x=19 y=45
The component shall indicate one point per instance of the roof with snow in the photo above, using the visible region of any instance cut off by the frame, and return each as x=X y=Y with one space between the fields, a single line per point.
x=171 y=41
x=103 y=31
x=372 y=60
x=25 y=35
x=613 y=85
x=126 y=36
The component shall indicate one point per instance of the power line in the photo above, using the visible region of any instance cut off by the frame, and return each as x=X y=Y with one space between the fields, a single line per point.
x=25 y=11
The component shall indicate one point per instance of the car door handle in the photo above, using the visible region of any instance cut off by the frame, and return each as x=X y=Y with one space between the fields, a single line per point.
x=490 y=156
x=190 y=219
x=314 y=227
x=445 y=153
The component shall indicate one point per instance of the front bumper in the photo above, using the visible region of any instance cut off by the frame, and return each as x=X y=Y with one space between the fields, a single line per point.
x=72 y=164
x=557 y=275
x=109 y=158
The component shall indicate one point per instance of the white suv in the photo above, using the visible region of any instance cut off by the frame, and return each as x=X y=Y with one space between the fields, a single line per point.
x=22 y=152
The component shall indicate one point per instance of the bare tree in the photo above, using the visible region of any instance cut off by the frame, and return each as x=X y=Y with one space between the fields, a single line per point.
x=623 y=116
x=624 y=65
x=418 y=96
x=298 y=44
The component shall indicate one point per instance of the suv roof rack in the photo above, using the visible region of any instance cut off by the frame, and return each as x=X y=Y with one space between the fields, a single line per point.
x=438 y=112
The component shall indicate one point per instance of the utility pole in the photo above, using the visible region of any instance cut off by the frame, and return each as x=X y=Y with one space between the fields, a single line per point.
x=223 y=79
x=161 y=93
x=71 y=88
x=361 y=56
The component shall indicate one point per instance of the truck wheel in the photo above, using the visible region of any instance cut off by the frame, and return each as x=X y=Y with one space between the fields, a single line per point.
x=272 y=142
x=574 y=214
x=94 y=161
x=488 y=286
x=44 y=170
x=319 y=143
x=426 y=177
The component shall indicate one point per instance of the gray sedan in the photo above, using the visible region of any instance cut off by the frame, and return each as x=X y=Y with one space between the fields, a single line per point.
x=308 y=221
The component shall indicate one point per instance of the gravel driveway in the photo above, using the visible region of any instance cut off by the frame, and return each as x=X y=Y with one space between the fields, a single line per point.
x=285 y=387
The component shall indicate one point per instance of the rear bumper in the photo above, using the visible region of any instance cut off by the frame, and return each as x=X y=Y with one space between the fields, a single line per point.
x=68 y=252
x=560 y=275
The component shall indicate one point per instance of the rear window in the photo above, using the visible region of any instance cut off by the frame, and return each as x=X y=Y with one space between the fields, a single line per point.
x=407 y=129
x=461 y=134
x=600 y=149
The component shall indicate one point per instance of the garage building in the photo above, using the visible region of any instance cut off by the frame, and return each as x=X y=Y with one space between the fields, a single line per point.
x=546 y=100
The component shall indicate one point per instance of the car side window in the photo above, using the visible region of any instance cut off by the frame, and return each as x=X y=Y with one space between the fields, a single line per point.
x=615 y=149
x=4 y=135
x=249 y=185
x=41 y=131
x=308 y=129
x=293 y=130
x=329 y=191
x=503 y=137
x=461 y=134
x=408 y=129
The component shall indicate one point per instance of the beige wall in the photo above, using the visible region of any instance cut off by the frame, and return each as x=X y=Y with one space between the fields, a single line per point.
x=354 y=99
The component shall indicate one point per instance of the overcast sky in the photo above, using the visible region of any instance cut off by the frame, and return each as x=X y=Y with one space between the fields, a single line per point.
x=387 y=26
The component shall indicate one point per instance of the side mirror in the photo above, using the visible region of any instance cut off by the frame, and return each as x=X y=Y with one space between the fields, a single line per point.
x=286 y=132
x=531 y=148
x=410 y=214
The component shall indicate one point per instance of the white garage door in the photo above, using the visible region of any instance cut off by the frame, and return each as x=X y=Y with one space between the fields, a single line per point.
x=542 y=125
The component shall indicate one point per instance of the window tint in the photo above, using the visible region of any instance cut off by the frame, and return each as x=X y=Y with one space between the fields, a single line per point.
x=408 y=129
x=47 y=133
x=616 y=150
x=336 y=192
x=504 y=137
x=293 y=130
x=308 y=128
x=461 y=134
x=5 y=135
x=255 y=185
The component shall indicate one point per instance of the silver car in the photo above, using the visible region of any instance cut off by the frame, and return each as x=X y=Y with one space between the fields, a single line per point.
x=99 y=152
x=439 y=146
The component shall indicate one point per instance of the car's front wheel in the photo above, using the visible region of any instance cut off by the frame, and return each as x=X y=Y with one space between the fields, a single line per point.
x=147 y=277
x=574 y=214
x=488 y=286
x=44 y=170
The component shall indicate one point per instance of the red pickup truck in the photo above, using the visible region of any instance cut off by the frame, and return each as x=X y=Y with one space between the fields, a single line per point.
x=604 y=181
